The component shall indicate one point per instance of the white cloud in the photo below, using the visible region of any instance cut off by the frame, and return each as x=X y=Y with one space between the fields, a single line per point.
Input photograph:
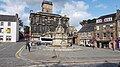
x=12 y=7
x=25 y=18
x=102 y=6
x=34 y=5
x=76 y=11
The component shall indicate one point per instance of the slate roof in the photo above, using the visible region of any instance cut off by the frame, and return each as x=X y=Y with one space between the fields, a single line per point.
x=109 y=15
x=11 y=18
x=87 y=28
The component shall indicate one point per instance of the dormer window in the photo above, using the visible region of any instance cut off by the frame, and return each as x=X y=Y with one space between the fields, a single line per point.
x=99 y=21
x=108 y=19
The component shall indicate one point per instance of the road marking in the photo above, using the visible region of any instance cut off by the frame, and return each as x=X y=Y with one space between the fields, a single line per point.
x=18 y=54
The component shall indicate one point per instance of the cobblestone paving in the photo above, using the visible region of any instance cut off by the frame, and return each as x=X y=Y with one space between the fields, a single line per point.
x=8 y=59
x=86 y=54
x=7 y=55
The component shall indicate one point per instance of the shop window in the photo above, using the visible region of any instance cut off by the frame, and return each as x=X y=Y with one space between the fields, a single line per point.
x=1 y=23
x=9 y=24
x=1 y=38
x=8 y=38
x=1 y=30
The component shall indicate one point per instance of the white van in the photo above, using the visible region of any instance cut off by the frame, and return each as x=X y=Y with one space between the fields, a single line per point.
x=46 y=40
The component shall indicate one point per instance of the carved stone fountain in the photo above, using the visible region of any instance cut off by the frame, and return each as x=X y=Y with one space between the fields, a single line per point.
x=60 y=38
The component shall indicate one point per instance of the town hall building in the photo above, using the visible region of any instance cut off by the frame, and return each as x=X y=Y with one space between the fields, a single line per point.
x=43 y=24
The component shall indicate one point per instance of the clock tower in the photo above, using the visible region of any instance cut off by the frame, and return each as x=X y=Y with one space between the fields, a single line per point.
x=47 y=6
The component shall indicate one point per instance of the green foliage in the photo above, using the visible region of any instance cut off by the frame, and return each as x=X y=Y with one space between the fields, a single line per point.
x=20 y=23
x=88 y=21
x=26 y=29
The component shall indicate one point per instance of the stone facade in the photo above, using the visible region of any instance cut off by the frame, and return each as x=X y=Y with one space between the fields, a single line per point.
x=44 y=23
x=105 y=31
x=47 y=7
x=72 y=34
x=86 y=38
x=118 y=29
x=86 y=35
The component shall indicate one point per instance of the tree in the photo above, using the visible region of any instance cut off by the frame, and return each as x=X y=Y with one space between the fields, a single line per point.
x=26 y=29
x=20 y=23
x=88 y=21
x=83 y=22
x=20 y=27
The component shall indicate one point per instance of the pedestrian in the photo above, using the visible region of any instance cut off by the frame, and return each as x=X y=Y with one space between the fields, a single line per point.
x=29 y=46
x=112 y=46
x=27 y=43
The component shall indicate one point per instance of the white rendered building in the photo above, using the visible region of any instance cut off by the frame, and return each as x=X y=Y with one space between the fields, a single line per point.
x=9 y=28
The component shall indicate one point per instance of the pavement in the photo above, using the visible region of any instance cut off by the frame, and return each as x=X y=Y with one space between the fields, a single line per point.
x=86 y=55
x=7 y=55
x=15 y=55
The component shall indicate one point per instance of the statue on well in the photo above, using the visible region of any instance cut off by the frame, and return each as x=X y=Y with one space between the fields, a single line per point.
x=60 y=37
x=59 y=29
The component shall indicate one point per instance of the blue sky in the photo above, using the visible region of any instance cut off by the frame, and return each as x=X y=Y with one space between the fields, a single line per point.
x=76 y=10
x=107 y=7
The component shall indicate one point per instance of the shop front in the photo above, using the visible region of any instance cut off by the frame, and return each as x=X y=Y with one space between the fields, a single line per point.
x=103 y=44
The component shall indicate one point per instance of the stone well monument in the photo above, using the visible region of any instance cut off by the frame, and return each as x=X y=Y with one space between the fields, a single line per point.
x=60 y=37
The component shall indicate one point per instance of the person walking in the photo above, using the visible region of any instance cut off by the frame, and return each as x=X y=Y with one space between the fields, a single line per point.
x=29 y=46
x=112 y=46
x=27 y=43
